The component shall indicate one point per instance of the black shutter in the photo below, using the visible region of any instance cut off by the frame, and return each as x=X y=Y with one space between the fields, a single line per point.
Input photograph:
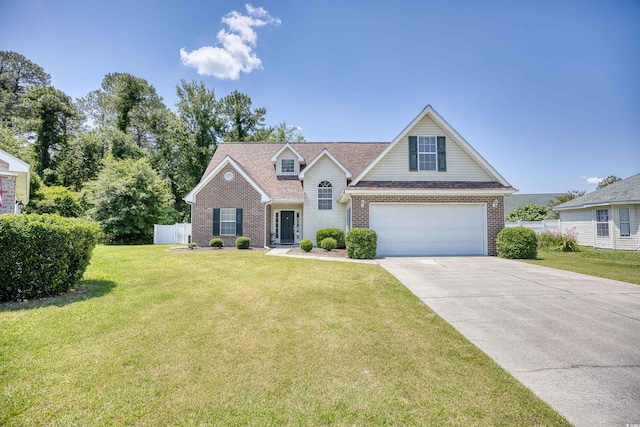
x=238 y=221
x=442 y=154
x=413 y=153
x=216 y=221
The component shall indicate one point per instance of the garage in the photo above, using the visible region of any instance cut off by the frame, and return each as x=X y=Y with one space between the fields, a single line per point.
x=429 y=229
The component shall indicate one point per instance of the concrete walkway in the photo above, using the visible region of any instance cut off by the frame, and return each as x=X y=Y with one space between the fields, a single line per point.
x=574 y=340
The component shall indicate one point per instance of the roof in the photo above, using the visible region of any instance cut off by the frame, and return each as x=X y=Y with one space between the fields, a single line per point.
x=15 y=164
x=255 y=158
x=516 y=200
x=626 y=191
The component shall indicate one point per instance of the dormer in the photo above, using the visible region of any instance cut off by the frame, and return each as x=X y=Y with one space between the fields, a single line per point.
x=287 y=161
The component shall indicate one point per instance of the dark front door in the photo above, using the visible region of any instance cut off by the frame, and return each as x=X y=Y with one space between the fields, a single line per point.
x=286 y=227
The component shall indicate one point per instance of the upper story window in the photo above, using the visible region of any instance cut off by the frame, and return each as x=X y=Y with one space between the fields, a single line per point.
x=287 y=166
x=602 y=222
x=625 y=223
x=325 y=196
x=427 y=153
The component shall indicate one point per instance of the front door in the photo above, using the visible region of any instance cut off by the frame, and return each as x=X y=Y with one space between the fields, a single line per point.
x=287 y=231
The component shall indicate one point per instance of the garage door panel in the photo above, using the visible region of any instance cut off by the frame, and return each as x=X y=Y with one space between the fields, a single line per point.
x=429 y=229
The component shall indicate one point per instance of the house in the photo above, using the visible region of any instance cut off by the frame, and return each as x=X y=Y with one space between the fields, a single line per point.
x=14 y=183
x=515 y=201
x=427 y=192
x=607 y=218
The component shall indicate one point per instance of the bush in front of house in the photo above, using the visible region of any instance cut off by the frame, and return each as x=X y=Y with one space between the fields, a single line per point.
x=306 y=245
x=362 y=243
x=556 y=240
x=216 y=242
x=43 y=255
x=328 y=243
x=334 y=233
x=243 y=242
x=517 y=243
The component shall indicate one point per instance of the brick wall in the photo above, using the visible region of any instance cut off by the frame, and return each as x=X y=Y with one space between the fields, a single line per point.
x=220 y=193
x=8 y=194
x=495 y=216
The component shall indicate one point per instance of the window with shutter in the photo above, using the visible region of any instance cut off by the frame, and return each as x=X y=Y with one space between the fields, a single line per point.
x=427 y=153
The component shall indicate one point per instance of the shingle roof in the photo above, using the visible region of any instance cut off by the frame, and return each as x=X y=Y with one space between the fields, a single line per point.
x=517 y=200
x=255 y=159
x=621 y=192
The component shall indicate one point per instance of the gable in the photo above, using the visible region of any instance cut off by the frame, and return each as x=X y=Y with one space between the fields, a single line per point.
x=4 y=166
x=460 y=164
x=289 y=156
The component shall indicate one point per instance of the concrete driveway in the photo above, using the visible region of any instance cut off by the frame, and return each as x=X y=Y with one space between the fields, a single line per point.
x=574 y=340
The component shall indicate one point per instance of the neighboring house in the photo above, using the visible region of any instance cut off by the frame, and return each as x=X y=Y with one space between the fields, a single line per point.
x=517 y=200
x=428 y=192
x=607 y=218
x=14 y=183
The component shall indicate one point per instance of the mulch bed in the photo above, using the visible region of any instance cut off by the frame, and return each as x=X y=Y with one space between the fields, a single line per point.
x=336 y=253
x=207 y=248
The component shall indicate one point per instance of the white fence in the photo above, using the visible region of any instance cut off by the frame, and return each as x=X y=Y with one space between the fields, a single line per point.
x=167 y=234
x=537 y=226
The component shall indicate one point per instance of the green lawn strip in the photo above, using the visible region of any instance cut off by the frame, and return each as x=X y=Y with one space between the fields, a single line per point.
x=239 y=338
x=616 y=265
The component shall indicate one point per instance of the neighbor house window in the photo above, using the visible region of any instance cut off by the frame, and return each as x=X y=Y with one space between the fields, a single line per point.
x=325 y=196
x=427 y=153
x=602 y=222
x=625 y=224
x=228 y=221
x=287 y=166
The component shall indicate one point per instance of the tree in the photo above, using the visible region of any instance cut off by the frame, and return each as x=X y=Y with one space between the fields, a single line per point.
x=565 y=197
x=55 y=200
x=17 y=75
x=49 y=113
x=608 y=180
x=530 y=212
x=240 y=122
x=127 y=199
x=282 y=132
x=14 y=144
x=80 y=160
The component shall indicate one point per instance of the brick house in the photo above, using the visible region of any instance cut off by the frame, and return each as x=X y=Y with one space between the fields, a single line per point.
x=14 y=183
x=427 y=192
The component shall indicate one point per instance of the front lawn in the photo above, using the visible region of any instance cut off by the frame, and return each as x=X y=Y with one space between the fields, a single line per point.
x=617 y=265
x=239 y=338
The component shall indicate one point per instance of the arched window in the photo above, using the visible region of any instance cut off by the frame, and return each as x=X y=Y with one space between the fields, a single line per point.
x=325 y=196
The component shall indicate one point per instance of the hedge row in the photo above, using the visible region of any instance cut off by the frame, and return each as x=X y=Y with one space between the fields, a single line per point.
x=334 y=233
x=43 y=255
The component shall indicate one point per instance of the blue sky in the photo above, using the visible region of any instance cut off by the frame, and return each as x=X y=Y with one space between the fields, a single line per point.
x=548 y=91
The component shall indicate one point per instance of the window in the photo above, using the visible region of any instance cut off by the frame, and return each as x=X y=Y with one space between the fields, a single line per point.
x=625 y=224
x=427 y=153
x=325 y=196
x=228 y=222
x=602 y=222
x=348 y=218
x=287 y=166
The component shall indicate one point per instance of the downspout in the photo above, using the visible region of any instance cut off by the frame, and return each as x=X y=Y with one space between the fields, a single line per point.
x=264 y=234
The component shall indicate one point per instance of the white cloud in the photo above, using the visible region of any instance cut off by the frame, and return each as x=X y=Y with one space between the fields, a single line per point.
x=234 y=53
x=592 y=180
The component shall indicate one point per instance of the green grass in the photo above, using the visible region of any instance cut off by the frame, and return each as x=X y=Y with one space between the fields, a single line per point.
x=617 y=265
x=154 y=337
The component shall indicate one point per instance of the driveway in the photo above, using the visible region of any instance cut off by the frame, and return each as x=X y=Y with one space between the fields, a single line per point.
x=574 y=340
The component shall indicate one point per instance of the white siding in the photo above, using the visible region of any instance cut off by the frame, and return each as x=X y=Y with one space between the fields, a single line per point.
x=627 y=242
x=395 y=165
x=582 y=221
x=287 y=154
x=323 y=170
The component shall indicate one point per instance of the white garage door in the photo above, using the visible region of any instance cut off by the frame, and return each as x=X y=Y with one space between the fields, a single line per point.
x=429 y=229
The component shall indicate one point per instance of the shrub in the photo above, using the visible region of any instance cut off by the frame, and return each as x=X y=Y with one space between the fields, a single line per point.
x=306 y=245
x=362 y=243
x=530 y=212
x=243 y=243
x=517 y=243
x=555 y=240
x=334 y=233
x=216 y=242
x=43 y=255
x=328 y=243
x=192 y=245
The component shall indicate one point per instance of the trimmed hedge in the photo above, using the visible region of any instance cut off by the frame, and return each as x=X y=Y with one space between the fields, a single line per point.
x=517 y=243
x=43 y=255
x=306 y=245
x=328 y=244
x=334 y=233
x=243 y=243
x=216 y=242
x=362 y=243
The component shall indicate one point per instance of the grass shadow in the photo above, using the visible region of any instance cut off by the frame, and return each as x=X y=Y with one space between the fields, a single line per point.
x=84 y=290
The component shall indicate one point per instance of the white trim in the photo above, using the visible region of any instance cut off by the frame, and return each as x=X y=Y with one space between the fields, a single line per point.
x=282 y=172
x=15 y=164
x=287 y=201
x=228 y=160
x=348 y=192
x=434 y=152
x=324 y=152
x=428 y=110
x=318 y=198
x=297 y=224
x=274 y=158
x=596 y=204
